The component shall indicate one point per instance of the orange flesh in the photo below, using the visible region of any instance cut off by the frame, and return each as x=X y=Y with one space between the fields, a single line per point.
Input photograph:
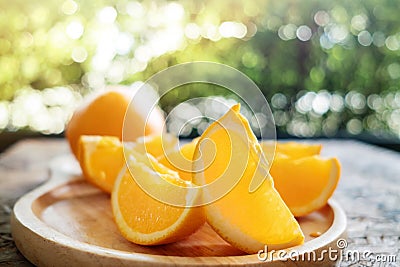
x=143 y=219
x=298 y=150
x=302 y=181
x=131 y=195
x=101 y=157
x=265 y=204
x=101 y=160
x=113 y=163
x=180 y=160
x=246 y=220
x=293 y=150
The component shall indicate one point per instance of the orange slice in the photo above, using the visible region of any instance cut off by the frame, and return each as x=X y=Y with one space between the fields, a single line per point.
x=291 y=149
x=252 y=214
x=307 y=183
x=181 y=160
x=156 y=145
x=101 y=159
x=143 y=219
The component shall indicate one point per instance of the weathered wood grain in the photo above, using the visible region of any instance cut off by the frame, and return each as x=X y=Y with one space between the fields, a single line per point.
x=22 y=168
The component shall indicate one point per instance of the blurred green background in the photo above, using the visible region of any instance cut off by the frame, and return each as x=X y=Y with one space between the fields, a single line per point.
x=328 y=68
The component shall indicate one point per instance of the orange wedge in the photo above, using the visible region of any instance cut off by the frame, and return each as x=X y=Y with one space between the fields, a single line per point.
x=291 y=149
x=251 y=213
x=307 y=183
x=101 y=157
x=145 y=220
x=181 y=160
x=156 y=145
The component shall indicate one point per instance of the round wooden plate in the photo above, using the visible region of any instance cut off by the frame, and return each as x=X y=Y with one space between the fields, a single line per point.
x=68 y=222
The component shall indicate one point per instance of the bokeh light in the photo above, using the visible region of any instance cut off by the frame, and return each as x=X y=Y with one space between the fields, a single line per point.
x=325 y=66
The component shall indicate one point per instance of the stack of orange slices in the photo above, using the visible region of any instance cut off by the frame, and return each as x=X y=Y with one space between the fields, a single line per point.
x=259 y=200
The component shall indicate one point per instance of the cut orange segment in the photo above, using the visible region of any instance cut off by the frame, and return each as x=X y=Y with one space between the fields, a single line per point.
x=145 y=220
x=291 y=149
x=305 y=184
x=230 y=154
x=181 y=160
x=101 y=159
x=156 y=145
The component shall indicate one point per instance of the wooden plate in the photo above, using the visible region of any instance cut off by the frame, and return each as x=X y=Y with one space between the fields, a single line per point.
x=67 y=222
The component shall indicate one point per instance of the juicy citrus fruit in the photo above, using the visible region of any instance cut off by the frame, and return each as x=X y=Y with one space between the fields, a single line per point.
x=291 y=149
x=181 y=160
x=104 y=114
x=101 y=159
x=229 y=152
x=144 y=220
x=156 y=145
x=305 y=184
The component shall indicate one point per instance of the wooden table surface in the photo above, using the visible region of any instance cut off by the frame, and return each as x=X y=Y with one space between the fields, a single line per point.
x=369 y=191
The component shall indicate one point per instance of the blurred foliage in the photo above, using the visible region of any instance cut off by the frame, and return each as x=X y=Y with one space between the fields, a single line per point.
x=325 y=66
